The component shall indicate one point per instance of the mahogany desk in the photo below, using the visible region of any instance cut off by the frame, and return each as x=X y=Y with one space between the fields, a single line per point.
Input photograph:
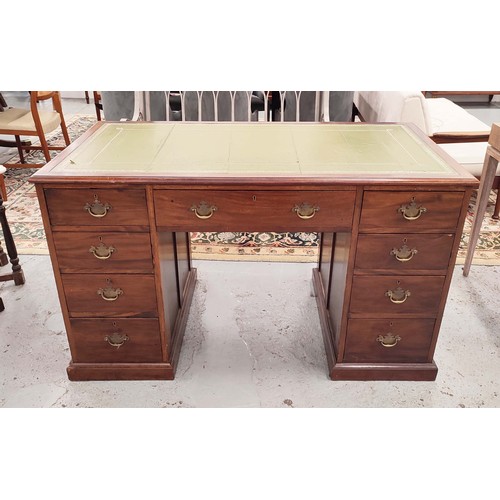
x=118 y=205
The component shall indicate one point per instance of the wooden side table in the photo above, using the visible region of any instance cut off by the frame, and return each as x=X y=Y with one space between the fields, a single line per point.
x=17 y=274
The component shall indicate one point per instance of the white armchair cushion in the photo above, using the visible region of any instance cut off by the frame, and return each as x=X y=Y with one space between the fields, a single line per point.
x=446 y=116
x=469 y=154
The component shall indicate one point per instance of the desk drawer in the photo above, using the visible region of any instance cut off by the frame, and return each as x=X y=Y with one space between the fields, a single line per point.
x=110 y=295
x=404 y=252
x=410 y=211
x=116 y=341
x=106 y=251
x=388 y=341
x=390 y=295
x=97 y=207
x=213 y=210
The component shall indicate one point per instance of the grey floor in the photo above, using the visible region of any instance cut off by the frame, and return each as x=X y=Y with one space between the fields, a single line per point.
x=252 y=340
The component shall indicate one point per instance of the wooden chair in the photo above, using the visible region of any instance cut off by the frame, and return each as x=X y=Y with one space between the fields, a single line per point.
x=97 y=104
x=34 y=122
x=490 y=173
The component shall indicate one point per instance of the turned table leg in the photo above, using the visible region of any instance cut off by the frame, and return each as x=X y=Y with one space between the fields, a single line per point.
x=3 y=257
x=17 y=273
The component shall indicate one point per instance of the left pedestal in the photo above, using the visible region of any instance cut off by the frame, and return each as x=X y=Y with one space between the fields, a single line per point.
x=124 y=288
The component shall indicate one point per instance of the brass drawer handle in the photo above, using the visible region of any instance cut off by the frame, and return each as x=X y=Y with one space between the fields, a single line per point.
x=388 y=340
x=96 y=208
x=412 y=211
x=109 y=293
x=101 y=251
x=116 y=339
x=204 y=210
x=405 y=253
x=305 y=210
x=398 y=296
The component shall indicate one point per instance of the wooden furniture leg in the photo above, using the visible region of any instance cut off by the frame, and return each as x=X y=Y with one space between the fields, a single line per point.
x=2 y=307
x=487 y=177
x=4 y=260
x=98 y=105
x=3 y=187
x=496 y=211
x=17 y=273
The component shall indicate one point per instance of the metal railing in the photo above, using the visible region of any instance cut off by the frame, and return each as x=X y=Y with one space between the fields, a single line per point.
x=238 y=105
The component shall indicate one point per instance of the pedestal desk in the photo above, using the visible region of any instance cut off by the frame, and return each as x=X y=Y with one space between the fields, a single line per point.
x=118 y=205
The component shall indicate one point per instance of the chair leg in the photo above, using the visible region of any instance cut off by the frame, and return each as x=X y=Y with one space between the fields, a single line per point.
x=19 y=146
x=496 y=212
x=98 y=105
x=45 y=147
x=87 y=96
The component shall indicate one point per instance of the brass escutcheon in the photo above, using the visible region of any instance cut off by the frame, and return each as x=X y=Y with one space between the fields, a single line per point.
x=398 y=296
x=101 y=251
x=305 y=210
x=389 y=339
x=404 y=254
x=96 y=208
x=109 y=293
x=412 y=211
x=203 y=210
x=116 y=339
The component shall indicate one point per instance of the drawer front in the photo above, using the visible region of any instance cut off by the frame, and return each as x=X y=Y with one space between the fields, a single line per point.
x=106 y=252
x=97 y=207
x=213 y=210
x=410 y=211
x=388 y=340
x=389 y=295
x=116 y=341
x=404 y=252
x=110 y=295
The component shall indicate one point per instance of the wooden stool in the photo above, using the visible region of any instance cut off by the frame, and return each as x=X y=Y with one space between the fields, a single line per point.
x=17 y=274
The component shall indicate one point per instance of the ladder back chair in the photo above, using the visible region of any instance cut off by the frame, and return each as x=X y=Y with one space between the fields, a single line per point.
x=35 y=121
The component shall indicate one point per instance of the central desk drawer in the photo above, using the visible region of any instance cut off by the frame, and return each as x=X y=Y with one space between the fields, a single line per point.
x=92 y=252
x=110 y=295
x=218 y=210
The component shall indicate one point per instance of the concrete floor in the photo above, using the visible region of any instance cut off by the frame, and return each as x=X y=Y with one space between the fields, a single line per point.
x=252 y=340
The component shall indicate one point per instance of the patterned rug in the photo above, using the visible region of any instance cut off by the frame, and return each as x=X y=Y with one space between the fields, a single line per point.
x=26 y=225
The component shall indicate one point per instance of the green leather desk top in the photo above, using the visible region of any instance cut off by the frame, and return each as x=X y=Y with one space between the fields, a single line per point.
x=240 y=150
